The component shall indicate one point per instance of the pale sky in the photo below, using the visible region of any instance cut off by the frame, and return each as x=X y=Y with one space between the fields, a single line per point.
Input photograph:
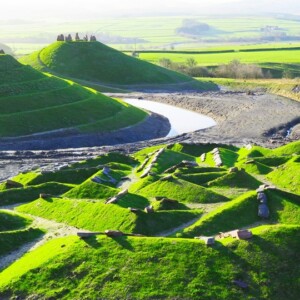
x=90 y=9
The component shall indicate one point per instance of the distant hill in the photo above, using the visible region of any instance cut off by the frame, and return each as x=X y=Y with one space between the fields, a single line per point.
x=99 y=64
x=32 y=102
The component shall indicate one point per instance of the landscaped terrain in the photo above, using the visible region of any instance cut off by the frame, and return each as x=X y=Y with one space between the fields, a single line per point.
x=33 y=102
x=169 y=194
x=93 y=63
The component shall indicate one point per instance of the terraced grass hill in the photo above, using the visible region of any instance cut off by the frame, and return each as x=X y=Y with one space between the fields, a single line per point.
x=96 y=63
x=33 y=102
x=179 y=191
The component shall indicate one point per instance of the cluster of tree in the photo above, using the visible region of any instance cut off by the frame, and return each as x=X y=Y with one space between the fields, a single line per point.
x=68 y=38
x=2 y=51
x=235 y=69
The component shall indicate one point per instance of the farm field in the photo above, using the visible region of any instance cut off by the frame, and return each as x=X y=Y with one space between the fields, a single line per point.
x=169 y=194
x=150 y=32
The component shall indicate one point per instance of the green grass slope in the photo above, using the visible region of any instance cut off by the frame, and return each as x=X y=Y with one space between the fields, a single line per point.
x=12 y=221
x=33 y=102
x=182 y=191
x=157 y=268
x=242 y=211
x=97 y=63
x=287 y=176
x=30 y=193
x=97 y=216
x=12 y=240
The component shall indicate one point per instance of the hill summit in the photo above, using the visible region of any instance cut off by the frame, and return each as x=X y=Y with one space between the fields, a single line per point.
x=100 y=64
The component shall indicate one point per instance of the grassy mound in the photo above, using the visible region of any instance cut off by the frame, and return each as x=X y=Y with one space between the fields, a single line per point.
x=97 y=63
x=33 y=102
x=239 y=179
x=30 y=193
x=157 y=268
x=12 y=221
x=97 y=216
x=284 y=208
x=12 y=240
x=182 y=191
x=287 y=176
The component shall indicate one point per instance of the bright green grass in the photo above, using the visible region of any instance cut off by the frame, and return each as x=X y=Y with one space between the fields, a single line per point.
x=170 y=158
x=101 y=64
x=37 y=102
x=97 y=216
x=287 y=176
x=12 y=240
x=157 y=268
x=13 y=221
x=182 y=191
x=91 y=190
x=284 y=208
x=212 y=59
x=254 y=167
x=30 y=193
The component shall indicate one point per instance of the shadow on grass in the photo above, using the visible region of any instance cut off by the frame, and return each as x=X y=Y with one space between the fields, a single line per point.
x=123 y=242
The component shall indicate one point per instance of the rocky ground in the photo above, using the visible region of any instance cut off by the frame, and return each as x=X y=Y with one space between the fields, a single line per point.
x=241 y=119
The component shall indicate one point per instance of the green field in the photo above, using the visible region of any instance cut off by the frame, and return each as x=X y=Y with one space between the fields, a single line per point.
x=151 y=32
x=188 y=201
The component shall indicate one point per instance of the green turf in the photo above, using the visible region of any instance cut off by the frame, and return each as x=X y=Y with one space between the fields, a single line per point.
x=97 y=216
x=12 y=240
x=287 y=176
x=30 y=193
x=157 y=268
x=37 y=102
x=97 y=63
x=12 y=221
x=241 y=212
x=182 y=191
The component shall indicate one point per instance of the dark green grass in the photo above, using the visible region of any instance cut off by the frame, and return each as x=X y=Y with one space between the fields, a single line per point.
x=170 y=158
x=12 y=221
x=12 y=240
x=239 y=179
x=197 y=150
x=30 y=193
x=200 y=178
x=114 y=157
x=35 y=102
x=157 y=268
x=254 y=167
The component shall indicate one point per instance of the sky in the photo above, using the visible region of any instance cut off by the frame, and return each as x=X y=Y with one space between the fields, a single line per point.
x=92 y=9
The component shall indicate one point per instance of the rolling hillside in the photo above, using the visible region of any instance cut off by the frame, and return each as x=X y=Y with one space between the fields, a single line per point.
x=33 y=102
x=97 y=64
